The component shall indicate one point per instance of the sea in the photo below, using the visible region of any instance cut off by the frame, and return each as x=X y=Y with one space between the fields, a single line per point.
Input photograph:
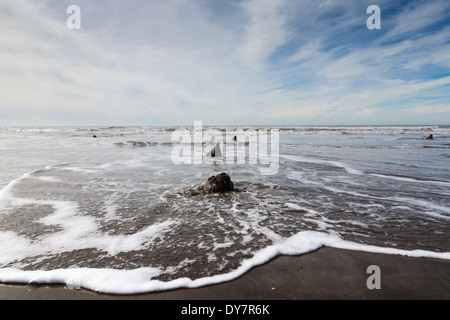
x=118 y=213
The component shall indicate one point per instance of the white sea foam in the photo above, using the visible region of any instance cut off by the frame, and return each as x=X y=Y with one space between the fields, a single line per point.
x=78 y=231
x=406 y=179
x=421 y=203
x=139 y=240
x=140 y=280
x=351 y=170
x=325 y=162
x=417 y=202
x=5 y=193
x=49 y=179
x=108 y=178
x=81 y=170
x=16 y=247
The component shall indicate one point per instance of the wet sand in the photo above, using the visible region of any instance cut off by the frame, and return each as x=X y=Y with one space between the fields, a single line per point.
x=327 y=273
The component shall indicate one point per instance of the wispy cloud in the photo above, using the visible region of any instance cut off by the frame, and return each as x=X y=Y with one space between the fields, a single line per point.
x=416 y=18
x=223 y=62
x=265 y=31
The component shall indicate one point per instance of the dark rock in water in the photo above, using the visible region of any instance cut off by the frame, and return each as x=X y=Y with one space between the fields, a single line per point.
x=217 y=184
x=94 y=136
x=138 y=144
x=430 y=137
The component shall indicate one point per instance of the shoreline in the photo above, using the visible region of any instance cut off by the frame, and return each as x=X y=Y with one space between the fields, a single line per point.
x=327 y=273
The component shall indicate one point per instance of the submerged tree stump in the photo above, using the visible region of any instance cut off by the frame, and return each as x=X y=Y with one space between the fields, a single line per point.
x=219 y=184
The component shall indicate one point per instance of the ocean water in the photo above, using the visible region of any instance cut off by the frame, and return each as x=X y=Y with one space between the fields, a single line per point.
x=115 y=214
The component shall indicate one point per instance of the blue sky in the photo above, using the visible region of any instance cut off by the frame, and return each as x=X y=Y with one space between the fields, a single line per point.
x=253 y=62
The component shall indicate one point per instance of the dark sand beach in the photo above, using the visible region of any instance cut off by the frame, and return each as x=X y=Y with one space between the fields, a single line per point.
x=327 y=273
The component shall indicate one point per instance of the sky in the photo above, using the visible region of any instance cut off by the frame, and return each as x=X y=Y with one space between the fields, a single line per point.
x=224 y=62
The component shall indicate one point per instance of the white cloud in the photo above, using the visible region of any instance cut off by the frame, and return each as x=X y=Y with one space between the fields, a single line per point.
x=430 y=109
x=265 y=32
x=51 y=69
x=142 y=62
x=415 y=17
x=308 y=51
